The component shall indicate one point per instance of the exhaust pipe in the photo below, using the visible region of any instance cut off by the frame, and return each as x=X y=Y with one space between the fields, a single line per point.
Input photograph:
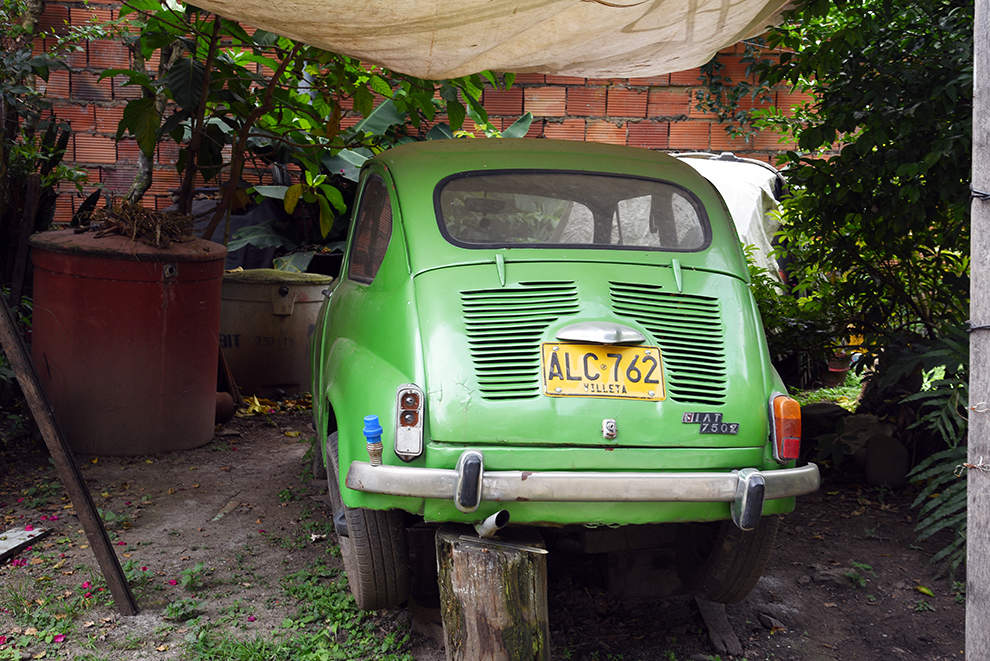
x=492 y=524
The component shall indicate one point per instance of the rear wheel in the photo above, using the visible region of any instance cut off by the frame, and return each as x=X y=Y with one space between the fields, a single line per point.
x=721 y=563
x=372 y=544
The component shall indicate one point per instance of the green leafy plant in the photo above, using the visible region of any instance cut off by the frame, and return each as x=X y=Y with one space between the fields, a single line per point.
x=192 y=577
x=181 y=610
x=275 y=104
x=941 y=412
x=856 y=575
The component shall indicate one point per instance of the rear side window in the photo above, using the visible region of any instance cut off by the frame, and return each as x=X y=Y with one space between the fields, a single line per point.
x=570 y=209
x=372 y=231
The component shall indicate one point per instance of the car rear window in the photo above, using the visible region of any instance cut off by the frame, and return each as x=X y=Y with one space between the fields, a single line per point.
x=496 y=209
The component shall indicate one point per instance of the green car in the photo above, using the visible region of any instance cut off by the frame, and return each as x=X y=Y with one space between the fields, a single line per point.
x=551 y=334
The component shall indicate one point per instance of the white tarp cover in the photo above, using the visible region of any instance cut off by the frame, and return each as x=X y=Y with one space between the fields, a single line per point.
x=749 y=192
x=437 y=39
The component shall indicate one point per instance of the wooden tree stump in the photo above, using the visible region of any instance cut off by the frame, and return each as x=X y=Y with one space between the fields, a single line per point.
x=493 y=595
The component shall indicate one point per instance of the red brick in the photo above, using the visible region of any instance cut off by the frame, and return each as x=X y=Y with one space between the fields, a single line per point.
x=602 y=131
x=536 y=129
x=586 y=101
x=733 y=68
x=87 y=16
x=546 y=101
x=651 y=81
x=651 y=135
x=668 y=102
x=122 y=91
x=689 y=77
x=787 y=101
x=163 y=182
x=721 y=141
x=161 y=202
x=694 y=112
x=63 y=208
x=564 y=80
x=81 y=118
x=94 y=149
x=107 y=119
x=117 y=180
x=168 y=152
x=54 y=18
x=569 y=129
x=626 y=102
x=128 y=150
x=602 y=81
x=57 y=86
x=690 y=135
x=86 y=86
x=151 y=64
x=105 y=54
x=503 y=102
x=76 y=59
x=530 y=79
x=769 y=140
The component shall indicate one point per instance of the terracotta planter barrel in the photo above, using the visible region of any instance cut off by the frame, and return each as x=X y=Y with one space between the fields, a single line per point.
x=266 y=319
x=124 y=339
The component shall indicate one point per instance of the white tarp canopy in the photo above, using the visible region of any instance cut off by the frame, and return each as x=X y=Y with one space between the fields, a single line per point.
x=450 y=38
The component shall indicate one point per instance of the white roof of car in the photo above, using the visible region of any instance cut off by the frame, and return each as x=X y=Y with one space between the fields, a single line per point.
x=750 y=190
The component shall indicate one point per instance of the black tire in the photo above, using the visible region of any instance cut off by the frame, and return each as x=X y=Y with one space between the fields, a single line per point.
x=721 y=563
x=374 y=550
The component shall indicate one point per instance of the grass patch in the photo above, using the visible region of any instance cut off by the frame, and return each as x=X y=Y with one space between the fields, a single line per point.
x=846 y=395
x=327 y=625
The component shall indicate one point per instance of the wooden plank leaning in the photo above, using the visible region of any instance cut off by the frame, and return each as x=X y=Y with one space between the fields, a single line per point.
x=16 y=350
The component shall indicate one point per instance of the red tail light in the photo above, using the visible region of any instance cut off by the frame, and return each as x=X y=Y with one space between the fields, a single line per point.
x=785 y=416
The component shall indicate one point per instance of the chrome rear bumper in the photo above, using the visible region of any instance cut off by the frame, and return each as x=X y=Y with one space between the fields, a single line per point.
x=468 y=485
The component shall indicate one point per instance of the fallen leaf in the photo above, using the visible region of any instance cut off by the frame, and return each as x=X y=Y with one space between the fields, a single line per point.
x=923 y=590
x=829 y=605
x=170 y=491
x=293 y=434
x=162 y=648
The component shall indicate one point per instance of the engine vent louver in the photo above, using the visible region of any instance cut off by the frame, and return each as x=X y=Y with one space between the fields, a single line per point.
x=504 y=327
x=688 y=329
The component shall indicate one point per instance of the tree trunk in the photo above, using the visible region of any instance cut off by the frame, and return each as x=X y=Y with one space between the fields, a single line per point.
x=493 y=595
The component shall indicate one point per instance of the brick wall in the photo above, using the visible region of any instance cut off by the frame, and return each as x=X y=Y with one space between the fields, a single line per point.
x=652 y=113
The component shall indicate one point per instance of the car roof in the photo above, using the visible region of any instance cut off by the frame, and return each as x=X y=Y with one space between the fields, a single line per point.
x=414 y=169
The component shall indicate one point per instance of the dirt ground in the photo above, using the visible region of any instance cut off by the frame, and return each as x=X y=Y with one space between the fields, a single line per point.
x=223 y=525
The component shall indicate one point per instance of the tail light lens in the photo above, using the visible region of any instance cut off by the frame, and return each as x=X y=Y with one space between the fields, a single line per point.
x=785 y=414
x=409 y=402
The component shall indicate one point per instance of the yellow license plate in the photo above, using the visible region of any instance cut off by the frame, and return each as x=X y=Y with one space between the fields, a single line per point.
x=595 y=370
